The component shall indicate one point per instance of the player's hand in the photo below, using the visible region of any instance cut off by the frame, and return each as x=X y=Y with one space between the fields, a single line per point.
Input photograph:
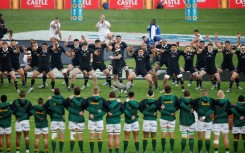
x=81 y=113
x=216 y=35
x=162 y=107
x=41 y=119
x=133 y=117
x=242 y=117
x=71 y=96
x=111 y=57
x=192 y=110
x=49 y=97
x=173 y=114
x=155 y=113
x=119 y=100
x=69 y=38
x=207 y=37
x=91 y=116
x=238 y=35
x=82 y=37
x=109 y=114
x=202 y=118
x=177 y=43
x=99 y=111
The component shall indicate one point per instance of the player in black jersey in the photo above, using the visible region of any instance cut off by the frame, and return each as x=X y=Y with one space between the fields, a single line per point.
x=189 y=57
x=140 y=68
x=5 y=62
x=98 y=59
x=43 y=55
x=227 y=51
x=56 y=62
x=210 y=66
x=15 y=63
x=84 y=55
x=173 y=66
x=240 y=65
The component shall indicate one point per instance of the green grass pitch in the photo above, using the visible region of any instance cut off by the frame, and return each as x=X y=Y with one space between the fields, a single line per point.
x=226 y=22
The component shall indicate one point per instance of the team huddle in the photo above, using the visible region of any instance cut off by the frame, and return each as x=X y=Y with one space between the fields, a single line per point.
x=167 y=104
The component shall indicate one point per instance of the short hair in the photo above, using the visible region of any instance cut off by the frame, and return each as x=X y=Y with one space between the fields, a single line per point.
x=3 y=98
x=56 y=39
x=77 y=91
x=204 y=91
x=96 y=90
x=196 y=30
x=4 y=43
x=167 y=89
x=150 y=92
x=187 y=93
x=44 y=44
x=242 y=45
x=112 y=94
x=131 y=94
x=187 y=46
x=97 y=40
x=227 y=41
x=12 y=40
x=241 y=98
x=173 y=45
x=56 y=18
x=118 y=36
x=76 y=40
x=201 y=41
x=210 y=44
x=84 y=44
x=40 y=101
x=56 y=91
x=143 y=37
x=22 y=94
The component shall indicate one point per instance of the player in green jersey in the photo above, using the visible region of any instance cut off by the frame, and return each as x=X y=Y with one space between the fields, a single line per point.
x=238 y=122
x=5 y=123
x=131 y=124
x=187 y=121
x=96 y=108
x=113 y=122
x=75 y=105
x=221 y=114
x=57 y=115
x=22 y=108
x=41 y=122
x=150 y=120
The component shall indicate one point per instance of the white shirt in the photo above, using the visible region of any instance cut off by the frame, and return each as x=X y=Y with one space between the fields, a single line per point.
x=153 y=31
x=104 y=28
x=54 y=27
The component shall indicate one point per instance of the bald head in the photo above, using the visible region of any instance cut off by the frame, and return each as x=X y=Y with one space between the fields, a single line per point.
x=220 y=94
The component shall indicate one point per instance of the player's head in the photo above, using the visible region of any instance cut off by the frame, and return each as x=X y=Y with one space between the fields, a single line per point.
x=204 y=92
x=84 y=46
x=164 y=41
x=131 y=95
x=202 y=44
x=210 y=46
x=3 y=98
x=174 y=47
x=44 y=46
x=196 y=32
x=150 y=93
x=187 y=93
x=227 y=44
x=40 y=101
x=96 y=90
x=55 y=41
x=153 y=21
x=112 y=94
x=188 y=48
x=242 y=48
x=76 y=42
x=4 y=45
x=97 y=42
x=167 y=89
x=143 y=46
x=220 y=94
x=102 y=17
x=34 y=45
x=118 y=38
x=144 y=38
x=140 y=52
x=56 y=19
x=241 y=98
x=56 y=91
x=13 y=43
x=22 y=94
x=77 y=91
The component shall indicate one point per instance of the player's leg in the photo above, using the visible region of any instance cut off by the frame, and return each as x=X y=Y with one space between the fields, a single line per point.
x=155 y=78
x=200 y=75
x=236 y=141
x=37 y=138
x=93 y=75
x=165 y=80
x=126 y=71
x=61 y=126
x=243 y=138
x=127 y=132
x=12 y=74
x=108 y=76
x=157 y=67
x=180 y=77
x=26 y=136
x=217 y=76
x=99 y=130
x=132 y=76
x=164 y=130
x=8 y=141
x=136 y=140
x=216 y=137
x=226 y=141
x=26 y=69
x=52 y=78
x=64 y=72
x=69 y=69
x=146 y=131
x=117 y=130
x=34 y=75
x=149 y=79
x=1 y=140
x=45 y=139
x=76 y=71
x=171 y=129
x=110 y=132
x=22 y=75
x=153 y=131
x=44 y=78
x=81 y=127
x=54 y=130
x=233 y=77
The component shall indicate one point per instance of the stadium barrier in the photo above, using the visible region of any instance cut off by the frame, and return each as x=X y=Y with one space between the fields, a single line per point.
x=119 y=4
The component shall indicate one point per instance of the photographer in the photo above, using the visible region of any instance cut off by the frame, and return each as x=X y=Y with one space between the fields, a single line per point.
x=104 y=28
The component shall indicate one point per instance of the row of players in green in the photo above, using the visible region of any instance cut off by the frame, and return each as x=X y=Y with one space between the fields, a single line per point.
x=97 y=107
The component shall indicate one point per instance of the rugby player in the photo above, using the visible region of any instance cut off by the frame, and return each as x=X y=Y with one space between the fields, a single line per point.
x=54 y=29
x=104 y=28
x=3 y=29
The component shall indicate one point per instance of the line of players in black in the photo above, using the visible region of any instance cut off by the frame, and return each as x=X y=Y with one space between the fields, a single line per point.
x=86 y=58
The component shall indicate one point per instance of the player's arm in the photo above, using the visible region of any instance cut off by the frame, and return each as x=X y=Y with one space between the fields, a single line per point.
x=216 y=41
x=66 y=43
x=119 y=112
x=238 y=40
x=208 y=39
x=240 y=107
x=183 y=105
x=126 y=112
x=134 y=104
x=235 y=112
x=33 y=112
x=116 y=57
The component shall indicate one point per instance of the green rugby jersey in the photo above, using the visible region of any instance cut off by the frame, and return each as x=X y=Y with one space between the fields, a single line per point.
x=56 y=108
x=22 y=108
x=186 y=117
x=222 y=111
x=96 y=106
x=144 y=108
x=5 y=113
x=130 y=108
x=75 y=106
x=115 y=108
x=238 y=110
x=40 y=116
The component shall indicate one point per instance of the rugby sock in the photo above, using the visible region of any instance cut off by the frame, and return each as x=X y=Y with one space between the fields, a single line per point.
x=8 y=150
x=182 y=83
x=16 y=85
x=191 y=144
x=108 y=80
x=9 y=78
x=1 y=150
x=110 y=150
x=125 y=144
x=218 y=84
x=183 y=144
x=86 y=81
x=44 y=80
x=215 y=150
x=61 y=145
x=25 y=76
x=27 y=149
x=52 y=84
x=80 y=144
x=235 y=145
x=23 y=83
x=190 y=81
x=154 y=143
x=91 y=143
x=237 y=82
x=100 y=143
x=231 y=83
x=17 y=150
x=120 y=80
x=137 y=146
x=227 y=150
x=144 y=144
x=200 y=83
x=54 y=146
x=207 y=143
x=66 y=81
x=199 y=146
x=197 y=82
x=117 y=150
x=172 y=144
x=163 y=141
x=72 y=144
x=1 y=80
x=32 y=82
x=72 y=85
